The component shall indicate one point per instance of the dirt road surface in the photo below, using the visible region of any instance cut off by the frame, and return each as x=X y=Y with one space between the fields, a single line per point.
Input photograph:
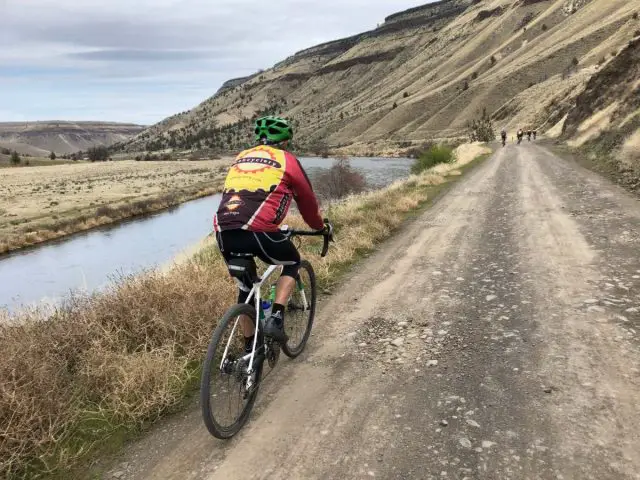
x=495 y=338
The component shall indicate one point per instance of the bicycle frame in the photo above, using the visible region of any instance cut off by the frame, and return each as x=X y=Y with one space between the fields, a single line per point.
x=256 y=295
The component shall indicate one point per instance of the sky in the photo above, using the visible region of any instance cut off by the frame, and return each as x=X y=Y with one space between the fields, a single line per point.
x=143 y=60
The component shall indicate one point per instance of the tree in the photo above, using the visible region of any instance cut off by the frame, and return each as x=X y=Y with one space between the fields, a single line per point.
x=481 y=129
x=15 y=158
x=52 y=156
x=98 y=154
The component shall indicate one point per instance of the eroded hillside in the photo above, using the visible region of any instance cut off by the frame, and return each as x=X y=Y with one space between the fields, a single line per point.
x=41 y=138
x=421 y=75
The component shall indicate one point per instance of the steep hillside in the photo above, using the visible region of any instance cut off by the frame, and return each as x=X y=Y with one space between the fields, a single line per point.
x=41 y=138
x=605 y=121
x=422 y=74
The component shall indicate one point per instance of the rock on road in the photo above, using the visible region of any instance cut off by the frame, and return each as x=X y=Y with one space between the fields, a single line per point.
x=501 y=331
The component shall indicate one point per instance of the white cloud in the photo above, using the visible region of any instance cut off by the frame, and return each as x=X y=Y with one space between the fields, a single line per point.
x=97 y=50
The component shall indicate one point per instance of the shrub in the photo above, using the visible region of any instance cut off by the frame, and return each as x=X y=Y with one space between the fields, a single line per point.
x=339 y=181
x=465 y=85
x=635 y=15
x=575 y=61
x=436 y=155
x=405 y=95
x=481 y=129
x=395 y=105
x=493 y=60
x=52 y=156
x=544 y=27
x=474 y=75
x=99 y=153
x=525 y=21
x=15 y=158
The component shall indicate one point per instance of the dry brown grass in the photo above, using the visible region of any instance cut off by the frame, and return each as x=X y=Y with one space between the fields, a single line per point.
x=115 y=361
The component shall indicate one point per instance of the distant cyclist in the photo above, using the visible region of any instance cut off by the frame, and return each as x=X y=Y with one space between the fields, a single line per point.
x=529 y=135
x=257 y=194
x=520 y=135
x=503 y=134
x=535 y=134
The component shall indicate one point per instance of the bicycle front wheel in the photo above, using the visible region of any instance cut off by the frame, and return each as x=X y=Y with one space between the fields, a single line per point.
x=227 y=391
x=301 y=310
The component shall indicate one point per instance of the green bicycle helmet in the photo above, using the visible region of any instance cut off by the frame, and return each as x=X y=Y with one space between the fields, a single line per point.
x=273 y=130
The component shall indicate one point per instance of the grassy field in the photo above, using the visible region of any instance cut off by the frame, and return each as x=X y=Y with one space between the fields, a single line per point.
x=5 y=162
x=48 y=202
x=113 y=363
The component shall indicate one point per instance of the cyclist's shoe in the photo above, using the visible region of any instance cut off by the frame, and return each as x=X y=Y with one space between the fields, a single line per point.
x=274 y=327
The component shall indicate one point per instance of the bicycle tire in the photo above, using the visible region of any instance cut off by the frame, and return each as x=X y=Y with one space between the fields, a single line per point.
x=292 y=351
x=210 y=366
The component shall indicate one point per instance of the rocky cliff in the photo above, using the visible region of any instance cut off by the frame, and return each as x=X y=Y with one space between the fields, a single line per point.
x=41 y=138
x=422 y=74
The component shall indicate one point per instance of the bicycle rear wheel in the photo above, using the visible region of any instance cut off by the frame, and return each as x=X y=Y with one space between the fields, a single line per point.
x=301 y=311
x=225 y=396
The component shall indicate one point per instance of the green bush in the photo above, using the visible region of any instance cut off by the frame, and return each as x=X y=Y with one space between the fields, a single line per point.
x=15 y=158
x=436 y=155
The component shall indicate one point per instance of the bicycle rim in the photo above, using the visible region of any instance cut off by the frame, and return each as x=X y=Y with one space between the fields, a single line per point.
x=225 y=399
x=301 y=310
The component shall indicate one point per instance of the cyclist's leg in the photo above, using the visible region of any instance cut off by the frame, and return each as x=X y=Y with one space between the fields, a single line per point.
x=277 y=249
x=236 y=239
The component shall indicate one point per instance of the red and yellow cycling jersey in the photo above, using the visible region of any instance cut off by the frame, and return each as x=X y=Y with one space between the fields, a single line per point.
x=258 y=191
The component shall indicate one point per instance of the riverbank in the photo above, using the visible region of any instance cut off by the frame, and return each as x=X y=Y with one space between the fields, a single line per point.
x=38 y=204
x=114 y=362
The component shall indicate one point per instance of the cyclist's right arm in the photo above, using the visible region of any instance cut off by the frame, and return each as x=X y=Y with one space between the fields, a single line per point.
x=303 y=194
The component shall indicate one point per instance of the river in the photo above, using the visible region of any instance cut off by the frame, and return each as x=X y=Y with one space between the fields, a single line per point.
x=45 y=274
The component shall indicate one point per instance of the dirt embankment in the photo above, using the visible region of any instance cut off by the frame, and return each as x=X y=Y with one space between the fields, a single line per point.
x=43 y=203
x=604 y=125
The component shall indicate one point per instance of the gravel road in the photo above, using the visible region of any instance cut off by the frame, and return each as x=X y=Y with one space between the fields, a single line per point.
x=495 y=338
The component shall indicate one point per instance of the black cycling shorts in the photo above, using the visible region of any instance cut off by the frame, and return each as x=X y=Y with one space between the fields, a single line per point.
x=271 y=247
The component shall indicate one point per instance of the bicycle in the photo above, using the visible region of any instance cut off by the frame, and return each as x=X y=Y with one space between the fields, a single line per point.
x=244 y=371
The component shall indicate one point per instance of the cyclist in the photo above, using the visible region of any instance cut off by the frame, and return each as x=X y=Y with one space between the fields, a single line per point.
x=503 y=134
x=520 y=134
x=257 y=194
x=535 y=134
x=529 y=135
